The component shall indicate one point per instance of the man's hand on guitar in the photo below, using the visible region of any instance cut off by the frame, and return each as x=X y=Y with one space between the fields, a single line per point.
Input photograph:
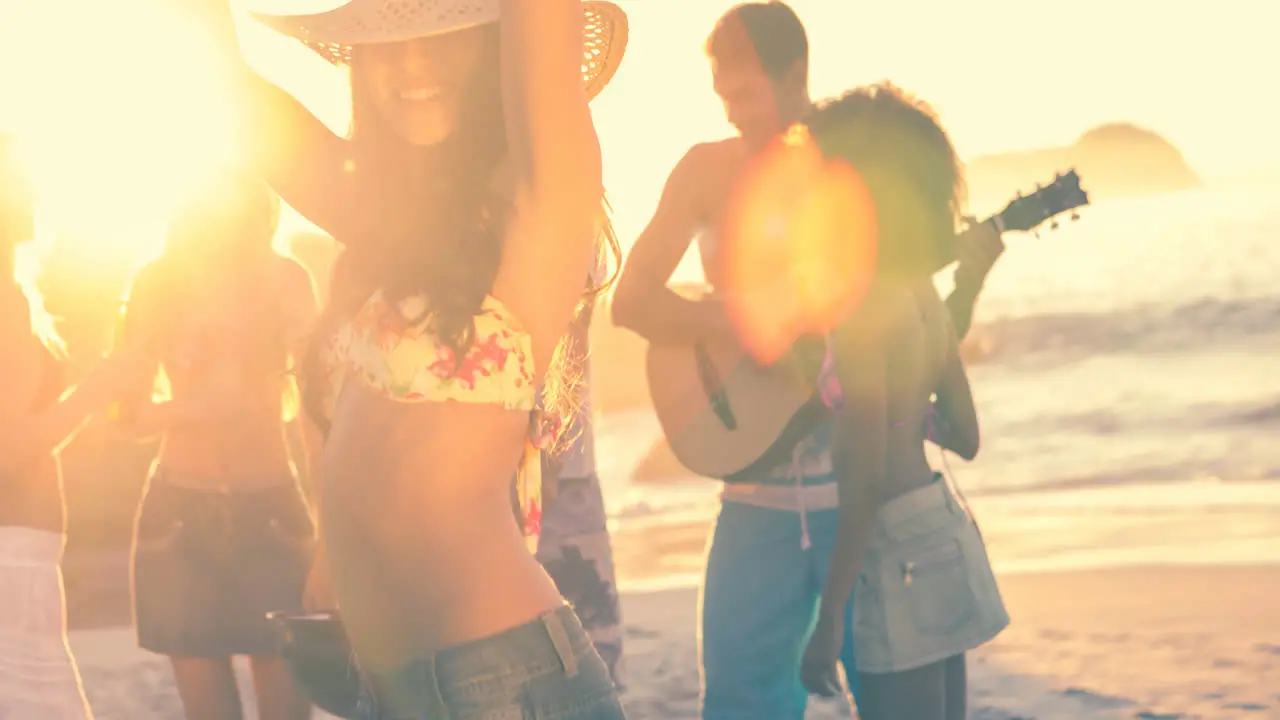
x=977 y=248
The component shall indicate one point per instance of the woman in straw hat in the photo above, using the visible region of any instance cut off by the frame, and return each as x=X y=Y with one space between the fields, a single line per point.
x=469 y=198
x=37 y=416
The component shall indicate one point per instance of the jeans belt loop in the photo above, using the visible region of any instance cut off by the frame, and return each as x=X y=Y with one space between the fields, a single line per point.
x=559 y=634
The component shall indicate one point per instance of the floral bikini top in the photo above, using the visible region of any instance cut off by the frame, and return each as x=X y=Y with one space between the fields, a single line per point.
x=407 y=363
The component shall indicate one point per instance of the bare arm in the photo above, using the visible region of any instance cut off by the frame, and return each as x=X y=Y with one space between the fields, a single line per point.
x=961 y=302
x=859 y=450
x=557 y=165
x=956 y=427
x=642 y=301
x=859 y=454
x=302 y=160
x=978 y=248
x=26 y=436
x=45 y=432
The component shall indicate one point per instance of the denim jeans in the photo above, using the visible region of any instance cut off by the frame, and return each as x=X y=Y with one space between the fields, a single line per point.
x=759 y=605
x=546 y=669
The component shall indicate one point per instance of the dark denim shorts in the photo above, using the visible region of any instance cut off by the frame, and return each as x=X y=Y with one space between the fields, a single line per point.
x=546 y=669
x=208 y=566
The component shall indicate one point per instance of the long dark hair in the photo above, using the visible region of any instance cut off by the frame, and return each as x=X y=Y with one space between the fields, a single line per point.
x=441 y=233
x=898 y=146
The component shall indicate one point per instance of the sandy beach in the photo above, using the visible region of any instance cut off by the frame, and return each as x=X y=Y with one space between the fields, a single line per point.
x=1147 y=643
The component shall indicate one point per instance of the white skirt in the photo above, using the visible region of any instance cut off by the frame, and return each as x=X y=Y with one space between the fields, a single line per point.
x=38 y=675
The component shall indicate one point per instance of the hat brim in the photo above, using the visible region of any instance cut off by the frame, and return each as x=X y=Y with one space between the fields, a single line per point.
x=605 y=26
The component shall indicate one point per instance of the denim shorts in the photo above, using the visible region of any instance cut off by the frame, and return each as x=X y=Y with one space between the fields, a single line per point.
x=927 y=591
x=546 y=669
x=208 y=566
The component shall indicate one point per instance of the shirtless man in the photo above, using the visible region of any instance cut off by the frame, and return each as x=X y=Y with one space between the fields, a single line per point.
x=224 y=535
x=767 y=563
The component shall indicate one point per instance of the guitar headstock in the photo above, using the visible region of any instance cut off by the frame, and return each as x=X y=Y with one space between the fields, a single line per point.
x=1025 y=213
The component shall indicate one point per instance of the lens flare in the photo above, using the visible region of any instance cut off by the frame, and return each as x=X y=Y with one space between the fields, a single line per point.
x=799 y=246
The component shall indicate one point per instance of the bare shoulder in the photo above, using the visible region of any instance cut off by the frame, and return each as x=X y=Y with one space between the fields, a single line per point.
x=714 y=160
x=702 y=176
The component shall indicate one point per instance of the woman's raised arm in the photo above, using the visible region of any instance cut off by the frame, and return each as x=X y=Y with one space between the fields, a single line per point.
x=293 y=151
x=556 y=156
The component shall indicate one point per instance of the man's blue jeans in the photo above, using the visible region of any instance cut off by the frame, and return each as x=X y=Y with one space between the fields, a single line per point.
x=758 y=606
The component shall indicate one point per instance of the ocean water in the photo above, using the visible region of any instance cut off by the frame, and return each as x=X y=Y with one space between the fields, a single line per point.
x=1126 y=369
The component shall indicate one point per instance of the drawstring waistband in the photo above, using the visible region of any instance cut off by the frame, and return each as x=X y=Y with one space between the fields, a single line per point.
x=794 y=473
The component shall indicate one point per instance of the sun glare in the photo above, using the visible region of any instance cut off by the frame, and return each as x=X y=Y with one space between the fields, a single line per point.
x=799 y=246
x=118 y=114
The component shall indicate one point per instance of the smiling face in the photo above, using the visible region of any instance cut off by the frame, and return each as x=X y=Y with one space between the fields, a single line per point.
x=419 y=86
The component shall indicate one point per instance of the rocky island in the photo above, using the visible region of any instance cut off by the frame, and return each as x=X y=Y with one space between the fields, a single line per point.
x=1114 y=160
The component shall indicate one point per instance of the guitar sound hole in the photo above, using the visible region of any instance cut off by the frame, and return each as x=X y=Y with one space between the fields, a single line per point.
x=713 y=388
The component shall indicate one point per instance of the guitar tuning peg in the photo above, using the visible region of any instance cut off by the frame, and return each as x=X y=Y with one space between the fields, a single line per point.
x=1075 y=216
x=1053 y=225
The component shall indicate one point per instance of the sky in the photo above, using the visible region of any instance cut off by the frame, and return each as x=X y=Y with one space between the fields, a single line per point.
x=1003 y=75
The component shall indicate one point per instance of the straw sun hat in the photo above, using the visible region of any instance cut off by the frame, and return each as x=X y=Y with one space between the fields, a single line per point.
x=360 y=22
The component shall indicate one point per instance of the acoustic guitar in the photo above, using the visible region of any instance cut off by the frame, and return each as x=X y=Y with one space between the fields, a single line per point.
x=727 y=417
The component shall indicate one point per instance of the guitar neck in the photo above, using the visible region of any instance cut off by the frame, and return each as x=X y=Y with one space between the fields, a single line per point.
x=996 y=221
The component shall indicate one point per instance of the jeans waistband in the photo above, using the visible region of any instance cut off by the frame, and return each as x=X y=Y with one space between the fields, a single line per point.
x=181 y=484
x=210 y=486
x=924 y=510
x=784 y=497
x=553 y=642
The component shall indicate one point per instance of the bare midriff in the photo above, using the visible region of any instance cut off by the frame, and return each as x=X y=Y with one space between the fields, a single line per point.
x=246 y=452
x=419 y=526
x=417 y=510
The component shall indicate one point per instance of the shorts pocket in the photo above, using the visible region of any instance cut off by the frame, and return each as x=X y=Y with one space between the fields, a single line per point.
x=290 y=524
x=291 y=534
x=935 y=581
x=156 y=534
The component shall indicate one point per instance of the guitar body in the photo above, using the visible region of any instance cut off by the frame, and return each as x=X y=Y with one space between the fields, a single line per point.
x=724 y=416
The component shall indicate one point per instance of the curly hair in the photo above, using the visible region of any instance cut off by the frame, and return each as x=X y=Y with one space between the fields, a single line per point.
x=439 y=238
x=899 y=148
